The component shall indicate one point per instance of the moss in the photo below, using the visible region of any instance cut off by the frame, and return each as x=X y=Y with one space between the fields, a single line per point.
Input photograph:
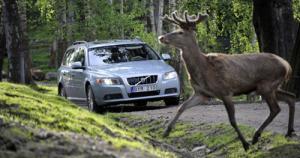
x=180 y=130
x=222 y=140
x=39 y=107
x=16 y=133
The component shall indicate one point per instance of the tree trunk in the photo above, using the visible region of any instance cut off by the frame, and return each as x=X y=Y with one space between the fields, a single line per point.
x=62 y=46
x=2 y=43
x=25 y=42
x=177 y=56
x=62 y=42
x=70 y=19
x=172 y=6
x=159 y=21
x=53 y=52
x=274 y=26
x=122 y=12
x=152 y=16
x=16 y=43
x=294 y=83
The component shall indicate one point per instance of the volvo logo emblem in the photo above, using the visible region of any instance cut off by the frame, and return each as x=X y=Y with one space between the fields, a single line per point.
x=142 y=80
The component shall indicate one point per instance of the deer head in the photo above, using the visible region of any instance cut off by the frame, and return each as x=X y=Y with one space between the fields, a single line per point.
x=186 y=34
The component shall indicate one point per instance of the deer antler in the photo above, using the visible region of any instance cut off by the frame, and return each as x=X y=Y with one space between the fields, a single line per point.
x=189 y=22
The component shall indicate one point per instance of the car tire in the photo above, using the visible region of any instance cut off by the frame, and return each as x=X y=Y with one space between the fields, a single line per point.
x=90 y=99
x=140 y=103
x=62 y=92
x=172 y=101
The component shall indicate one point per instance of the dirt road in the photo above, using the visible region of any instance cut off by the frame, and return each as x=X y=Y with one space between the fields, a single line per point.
x=248 y=114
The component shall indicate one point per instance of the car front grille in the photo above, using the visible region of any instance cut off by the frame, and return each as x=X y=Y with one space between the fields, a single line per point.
x=142 y=80
x=143 y=94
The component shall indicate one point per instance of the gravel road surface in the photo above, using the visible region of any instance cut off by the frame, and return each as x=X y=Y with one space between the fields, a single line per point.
x=249 y=114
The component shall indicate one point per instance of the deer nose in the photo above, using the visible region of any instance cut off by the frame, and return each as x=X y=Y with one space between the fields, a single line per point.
x=161 y=38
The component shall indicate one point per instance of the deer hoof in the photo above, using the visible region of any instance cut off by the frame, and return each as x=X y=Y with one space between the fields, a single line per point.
x=255 y=138
x=166 y=132
x=291 y=133
x=246 y=146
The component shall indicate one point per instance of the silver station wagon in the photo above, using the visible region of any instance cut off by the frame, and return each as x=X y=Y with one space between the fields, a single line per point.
x=104 y=73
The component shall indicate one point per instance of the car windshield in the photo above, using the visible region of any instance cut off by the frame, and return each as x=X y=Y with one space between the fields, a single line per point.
x=121 y=53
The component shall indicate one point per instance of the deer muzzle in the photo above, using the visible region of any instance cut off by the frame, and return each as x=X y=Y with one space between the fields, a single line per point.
x=162 y=39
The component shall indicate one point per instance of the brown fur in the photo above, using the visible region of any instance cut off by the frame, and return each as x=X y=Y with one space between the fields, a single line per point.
x=223 y=76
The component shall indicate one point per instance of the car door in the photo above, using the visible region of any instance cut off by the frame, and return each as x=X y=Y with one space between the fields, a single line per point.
x=65 y=71
x=78 y=75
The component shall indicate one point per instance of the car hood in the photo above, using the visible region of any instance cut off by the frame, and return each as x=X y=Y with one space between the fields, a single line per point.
x=133 y=68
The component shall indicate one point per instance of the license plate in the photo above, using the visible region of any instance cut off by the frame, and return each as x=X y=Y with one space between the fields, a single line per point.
x=144 y=88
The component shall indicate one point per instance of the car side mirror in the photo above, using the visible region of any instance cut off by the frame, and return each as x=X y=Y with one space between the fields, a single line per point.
x=77 y=65
x=166 y=57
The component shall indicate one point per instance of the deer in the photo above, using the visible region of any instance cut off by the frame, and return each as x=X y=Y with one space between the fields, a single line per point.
x=222 y=76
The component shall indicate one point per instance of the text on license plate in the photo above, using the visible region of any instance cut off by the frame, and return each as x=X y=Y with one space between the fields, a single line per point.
x=144 y=88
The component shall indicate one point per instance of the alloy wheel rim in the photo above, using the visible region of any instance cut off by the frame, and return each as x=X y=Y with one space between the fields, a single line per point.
x=90 y=101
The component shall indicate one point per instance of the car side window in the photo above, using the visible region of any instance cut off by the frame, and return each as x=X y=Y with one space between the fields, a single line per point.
x=67 y=57
x=79 y=56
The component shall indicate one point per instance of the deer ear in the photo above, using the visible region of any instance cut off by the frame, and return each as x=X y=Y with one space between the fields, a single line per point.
x=201 y=17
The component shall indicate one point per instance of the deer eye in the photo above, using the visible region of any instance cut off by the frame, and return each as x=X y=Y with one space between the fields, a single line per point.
x=180 y=33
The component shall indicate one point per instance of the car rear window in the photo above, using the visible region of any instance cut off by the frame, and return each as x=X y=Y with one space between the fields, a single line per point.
x=120 y=53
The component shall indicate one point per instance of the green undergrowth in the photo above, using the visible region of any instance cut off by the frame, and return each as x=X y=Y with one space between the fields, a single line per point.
x=40 y=107
x=40 y=59
x=221 y=140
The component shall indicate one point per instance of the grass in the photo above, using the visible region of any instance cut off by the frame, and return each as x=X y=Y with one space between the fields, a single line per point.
x=40 y=107
x=222 y=140
x=40 y=59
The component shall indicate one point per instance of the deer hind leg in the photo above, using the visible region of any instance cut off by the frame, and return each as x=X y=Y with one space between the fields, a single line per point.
x=274 y=110
x=231 y=114
x=289 y=98
x=192 y=101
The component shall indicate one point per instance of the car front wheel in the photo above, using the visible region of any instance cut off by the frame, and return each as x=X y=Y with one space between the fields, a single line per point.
x=62 y=92
x=91 y=103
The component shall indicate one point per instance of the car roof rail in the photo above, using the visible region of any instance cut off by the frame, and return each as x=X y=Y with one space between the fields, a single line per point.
x=80 y=42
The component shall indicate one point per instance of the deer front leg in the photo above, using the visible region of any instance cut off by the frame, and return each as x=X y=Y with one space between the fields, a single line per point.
x=231 y=114
x=192 y=101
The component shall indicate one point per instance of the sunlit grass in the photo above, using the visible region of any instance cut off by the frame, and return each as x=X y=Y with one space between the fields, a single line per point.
x=40 y=107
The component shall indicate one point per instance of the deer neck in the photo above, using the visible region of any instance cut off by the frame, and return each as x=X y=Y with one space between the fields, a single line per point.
x=194 y=59
x=196 y=64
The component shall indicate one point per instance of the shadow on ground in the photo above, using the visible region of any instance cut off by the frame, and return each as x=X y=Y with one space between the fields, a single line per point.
x=284 y=151
x=128 y=107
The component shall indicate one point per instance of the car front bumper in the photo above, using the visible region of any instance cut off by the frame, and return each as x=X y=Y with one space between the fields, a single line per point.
x=117 y=94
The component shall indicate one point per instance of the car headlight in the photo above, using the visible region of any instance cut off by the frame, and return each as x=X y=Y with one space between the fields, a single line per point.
x=108 y=81
x=170 y=75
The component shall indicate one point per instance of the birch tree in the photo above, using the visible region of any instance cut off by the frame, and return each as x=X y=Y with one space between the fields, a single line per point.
x=122 y=13
x=159 y=20
x=152 y=16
